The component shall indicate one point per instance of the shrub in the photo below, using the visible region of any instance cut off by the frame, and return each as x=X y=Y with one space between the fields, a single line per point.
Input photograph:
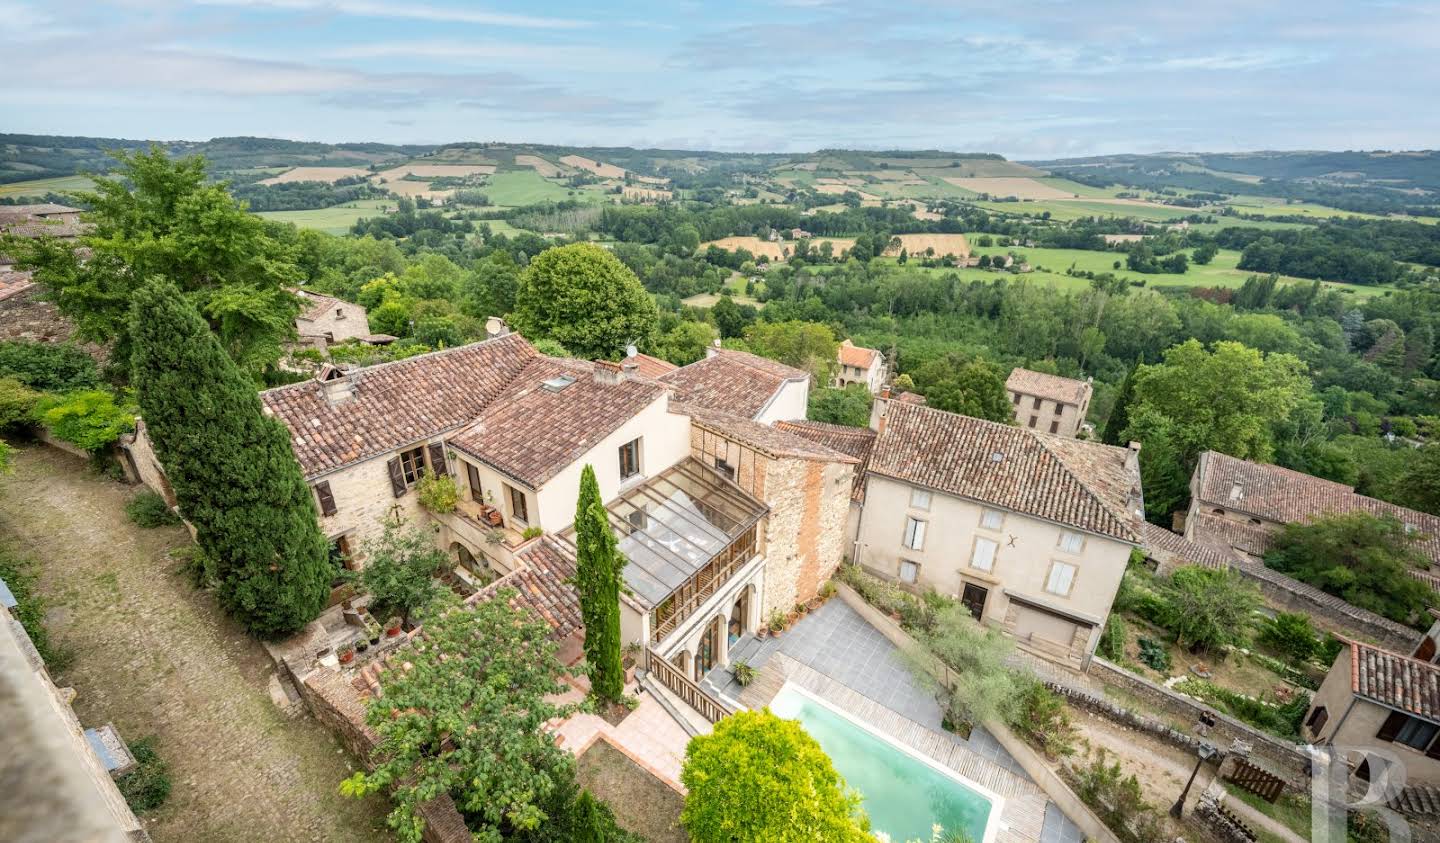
x=744 y=672
x=1282 y=720
x=148 y=509
x=147 y=786
x=48 y=367
x=438 y=493
x=531 y=532
x=1209 y=608
x=1043 y=720
x=89 y=419
x=17 y=403
x=1291 y=635
x=982 y=686
x=1154 y=654
x=1112 y=640
x=1118 y=800
x=1329 y=649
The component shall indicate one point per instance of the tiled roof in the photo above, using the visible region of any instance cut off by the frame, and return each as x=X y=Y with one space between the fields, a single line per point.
x=397 y=403
x=1080 y=484
x=911 y=398
x=1053 y=387
x=857 y=356
x=777 y=441
x=1188 y=552
x=533 y=431
x=42 y=209
x=1394 y=680
x=316 y=304
x=45 y=228
x=650 y=367
x=733 y=381
x=1226 y=534
x=1285 y=496
x=858 y=442
x=541 y=581
x=14 y=283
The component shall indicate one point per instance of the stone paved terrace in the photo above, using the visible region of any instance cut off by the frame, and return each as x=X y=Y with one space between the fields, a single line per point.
x=840 y=647
x=649 y=735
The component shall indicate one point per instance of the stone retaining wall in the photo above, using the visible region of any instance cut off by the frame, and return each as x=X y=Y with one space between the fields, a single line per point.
x=1329 y=611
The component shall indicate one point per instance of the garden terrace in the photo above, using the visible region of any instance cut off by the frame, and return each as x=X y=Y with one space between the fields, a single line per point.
x=684 y=532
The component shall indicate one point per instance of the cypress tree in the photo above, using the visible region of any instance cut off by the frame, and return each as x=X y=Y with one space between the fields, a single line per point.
x=230 y=465
x=1120 y=412
x=597 y=579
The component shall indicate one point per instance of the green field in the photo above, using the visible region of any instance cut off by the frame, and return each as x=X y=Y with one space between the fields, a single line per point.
x=40 y=187
x=1079 y=208
x=503 y=227
x=517 y=188
x=333 y=220
x=1272 y=207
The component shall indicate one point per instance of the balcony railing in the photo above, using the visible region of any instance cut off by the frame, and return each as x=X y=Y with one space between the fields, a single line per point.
x=690 y=693
x=686 y=599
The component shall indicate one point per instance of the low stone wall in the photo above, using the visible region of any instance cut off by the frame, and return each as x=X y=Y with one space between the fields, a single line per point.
x=1207 y=810
x=1329 y=611
x=1281 y=757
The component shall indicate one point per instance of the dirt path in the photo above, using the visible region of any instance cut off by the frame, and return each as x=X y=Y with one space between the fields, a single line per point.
x=1162 y=770
x=155 y=656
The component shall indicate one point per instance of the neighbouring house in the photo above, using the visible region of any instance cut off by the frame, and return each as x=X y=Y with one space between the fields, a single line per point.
x=325 y=320
x=1381 y=700
x=1031 y=531
x=58 y=774
x=1239 y=506
x=647 y=366
x=24 y=313
x=859 y=365
x=44 y=212
x=743 y=384
x=1048 y=402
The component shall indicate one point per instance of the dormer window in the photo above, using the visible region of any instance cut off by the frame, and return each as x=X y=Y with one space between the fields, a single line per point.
x=1237 y=491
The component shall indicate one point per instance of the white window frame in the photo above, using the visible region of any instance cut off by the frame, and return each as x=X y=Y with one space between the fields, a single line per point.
x=914 y=536
x=975 y=555
x=985 y=518
x=1069 y=537
x=920 y=498
x=914 y=568
x=1050 y=579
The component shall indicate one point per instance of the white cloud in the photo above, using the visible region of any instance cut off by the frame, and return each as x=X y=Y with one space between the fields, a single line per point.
x=407 y=11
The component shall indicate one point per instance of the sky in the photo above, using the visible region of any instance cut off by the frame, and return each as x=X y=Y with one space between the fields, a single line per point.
x=1029 y=79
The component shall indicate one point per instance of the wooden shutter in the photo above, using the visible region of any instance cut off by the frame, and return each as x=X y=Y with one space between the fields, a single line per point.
x=327 y=500
x=1393 y=724
x=473 y=474
x=397 y=477
x=437 y=459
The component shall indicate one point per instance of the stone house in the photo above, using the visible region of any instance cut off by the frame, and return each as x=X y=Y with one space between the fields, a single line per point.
x=1048 y=402
x=1385 y=702
x=1029 y=530
x=325 y=320
x=742 y=384
x=859 y=365
x=1239 y=506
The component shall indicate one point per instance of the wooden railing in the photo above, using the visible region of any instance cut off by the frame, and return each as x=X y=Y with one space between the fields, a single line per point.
x=691 y=694
x=701 y=587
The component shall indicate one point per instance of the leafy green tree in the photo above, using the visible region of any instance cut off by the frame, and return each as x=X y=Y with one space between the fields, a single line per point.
x=89 y=419
x=760 y=779
x=970 y=387
x=849 y=406
x=685 y=343
x=1205 y=252
x=231 y=467
x=400 y=570
x=162 y=217
x=584 y=298
x=1291 y=635
x=982 y=686
x=1208 y=608
x=598 y=581
x=1119 y=417
x=1420 y=482
x=1364 y=560
x=731 y=319
x=490 y=289
x=466 y=717
x=804 y=345
x=48 y=367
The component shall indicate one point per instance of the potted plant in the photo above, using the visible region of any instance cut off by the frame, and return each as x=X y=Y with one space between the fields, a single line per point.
x=744 y=673
x=372 y=629
x=777 y=623
x=631 y=660
x=346 y=653
x=362 y=645
x=392 y=626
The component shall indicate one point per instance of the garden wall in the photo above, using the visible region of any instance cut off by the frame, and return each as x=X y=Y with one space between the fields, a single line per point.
x=1329 y=611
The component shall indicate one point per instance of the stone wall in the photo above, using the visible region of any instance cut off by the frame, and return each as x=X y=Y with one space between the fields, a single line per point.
x=809 y=502
x=1328 y=611
x=25 y=316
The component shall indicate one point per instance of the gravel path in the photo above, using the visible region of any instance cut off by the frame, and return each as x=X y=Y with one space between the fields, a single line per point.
x=155 y=656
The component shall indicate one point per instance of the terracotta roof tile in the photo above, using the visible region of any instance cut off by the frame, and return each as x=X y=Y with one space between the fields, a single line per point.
x=14 y=283
x=777 y=440
x=1226 y=535
x=541 y=581
x=1396 y=681
x=732 y=381
x=396 y=404
x=534 y=431
x=316 y=304
x=650 y=367
x=858 y=442
x=1053 y=387
x=1285 y=496
x=1080 y=484
x=857 y=356
x=1188 y=552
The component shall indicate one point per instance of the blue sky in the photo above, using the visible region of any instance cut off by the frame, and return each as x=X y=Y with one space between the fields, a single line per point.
x=1023 y=78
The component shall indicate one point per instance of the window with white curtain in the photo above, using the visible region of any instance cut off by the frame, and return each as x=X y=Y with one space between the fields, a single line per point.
x=991 y=519
x=982 y=558
x=1071 y=542
x=919 y=499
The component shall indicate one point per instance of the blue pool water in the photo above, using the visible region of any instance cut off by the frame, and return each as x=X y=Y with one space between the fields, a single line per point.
x=903 y=795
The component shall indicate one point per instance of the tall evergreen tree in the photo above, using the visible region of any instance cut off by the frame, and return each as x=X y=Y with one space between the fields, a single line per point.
x=230 y=465
x=1120 y=412
x=597 y=579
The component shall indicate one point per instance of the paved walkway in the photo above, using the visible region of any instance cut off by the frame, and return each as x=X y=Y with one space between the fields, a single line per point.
x=157 y=657
x=648 y=735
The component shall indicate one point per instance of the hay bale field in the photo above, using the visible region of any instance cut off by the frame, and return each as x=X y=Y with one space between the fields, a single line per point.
x=1123 y=238
x=645 y=194
x=540 y=165
x=842 y=189
x=604 y=171
x=943 y=244
x=435 y=171
x=1001 y=187
x=329 y=175
x=776 y=251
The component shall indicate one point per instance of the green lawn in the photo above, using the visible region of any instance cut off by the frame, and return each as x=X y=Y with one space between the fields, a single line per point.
x=39 y=187
x=333 y=220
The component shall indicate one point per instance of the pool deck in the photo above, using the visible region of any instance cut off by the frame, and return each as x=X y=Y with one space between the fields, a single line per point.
x=834 y=654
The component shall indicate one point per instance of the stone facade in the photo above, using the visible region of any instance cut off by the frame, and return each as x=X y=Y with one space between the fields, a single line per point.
x=331 y=319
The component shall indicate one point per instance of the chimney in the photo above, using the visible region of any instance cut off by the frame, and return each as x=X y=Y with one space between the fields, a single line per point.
x=337 y=384
x=885 y=392
x=1132 y=458
x=495 y=327
x=608 y=373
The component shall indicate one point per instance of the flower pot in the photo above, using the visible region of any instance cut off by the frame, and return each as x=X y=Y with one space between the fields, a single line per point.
x=392 y=627
x=347 y=655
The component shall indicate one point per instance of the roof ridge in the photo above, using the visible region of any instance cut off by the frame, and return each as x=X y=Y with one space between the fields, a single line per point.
x=429 y=355
x=1125 y=522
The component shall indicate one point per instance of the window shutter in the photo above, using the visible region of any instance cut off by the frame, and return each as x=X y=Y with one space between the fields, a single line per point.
x=473 y=475
x=1434 y=750
x=1393 y=724
x=327 y=500
x=437 y=459
x=397 y=477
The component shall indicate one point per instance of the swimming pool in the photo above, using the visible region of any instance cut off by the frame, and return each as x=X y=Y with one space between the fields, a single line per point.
x=904 y=793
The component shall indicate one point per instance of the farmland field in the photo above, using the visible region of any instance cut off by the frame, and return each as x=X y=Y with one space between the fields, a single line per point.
x=645 y=194
x=604 y=171
x=333 y=220
x=539 y=165
x=776 y=251
x=1019 y=188
x=1075 y=209
x=39 y=187
x=435 y=171
x=526 y=187
x=329 y=175
x=943 y=244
